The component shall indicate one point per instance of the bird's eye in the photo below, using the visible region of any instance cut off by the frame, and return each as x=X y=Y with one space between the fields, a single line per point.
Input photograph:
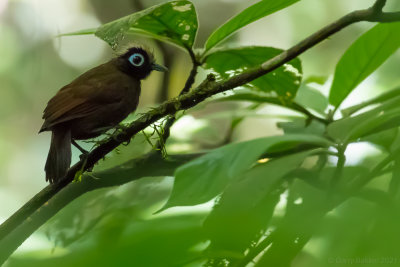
x=136 y=59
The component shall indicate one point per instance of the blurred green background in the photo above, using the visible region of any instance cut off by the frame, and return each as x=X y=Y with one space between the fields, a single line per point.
x=34 y=64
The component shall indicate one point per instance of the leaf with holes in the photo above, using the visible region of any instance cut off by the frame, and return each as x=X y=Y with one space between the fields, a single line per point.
x=174 y=22
x=283 y=81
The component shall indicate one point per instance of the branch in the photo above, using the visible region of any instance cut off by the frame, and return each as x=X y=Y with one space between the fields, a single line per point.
x=206 y=89
x=148 y=165
x=378 y=6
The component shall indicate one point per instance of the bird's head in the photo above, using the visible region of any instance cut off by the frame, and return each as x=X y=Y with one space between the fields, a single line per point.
x=138 y=62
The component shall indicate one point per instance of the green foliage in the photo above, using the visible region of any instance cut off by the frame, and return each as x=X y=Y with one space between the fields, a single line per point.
x=174 y=22
x=312 y=99
x=215 y=170
x=283 y=81
x=259 y=191
x=363 y=57
x=247 y=16
x=285 y=200
x=383 y=117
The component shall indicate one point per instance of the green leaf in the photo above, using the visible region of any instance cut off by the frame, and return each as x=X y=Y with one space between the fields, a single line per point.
x=376 y=100
x=302 y=126
x=304 y=213
x=206 y=177
x=395 y=181
x=311 y=98
x=174 y=238
x=247 y=16
x=384 y=139
x=174 y=22
x=284 y=81
x=321 y=80
x=363 y=57
x=381 y=118
x=260 y=98
x=246 y=206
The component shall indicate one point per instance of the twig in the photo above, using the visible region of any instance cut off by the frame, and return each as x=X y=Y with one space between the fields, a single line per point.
x=338 y=173
x=168 y=56
x=378 y=6
x=188 y=100
x=189 y=83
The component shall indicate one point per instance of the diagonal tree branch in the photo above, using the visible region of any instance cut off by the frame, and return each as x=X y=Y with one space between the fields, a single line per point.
x=149 y=165
x=208 y=88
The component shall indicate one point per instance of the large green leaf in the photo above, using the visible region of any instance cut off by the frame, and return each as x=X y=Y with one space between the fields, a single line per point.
x=284 y=81
x=246 y=206
x=174 y=22
x=247 y=16
x=363 y=57
x=206 y=177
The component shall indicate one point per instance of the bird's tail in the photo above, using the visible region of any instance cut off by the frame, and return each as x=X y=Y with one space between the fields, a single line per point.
x=59 y=158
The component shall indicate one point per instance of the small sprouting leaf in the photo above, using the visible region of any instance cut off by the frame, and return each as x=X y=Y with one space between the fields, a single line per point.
x=284 y=81
x=363 y=57
x=247 y=16
x=174 y=22
x=206 y=177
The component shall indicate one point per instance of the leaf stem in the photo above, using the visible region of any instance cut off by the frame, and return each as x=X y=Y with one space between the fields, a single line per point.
x=189 y=83
x=378 y=6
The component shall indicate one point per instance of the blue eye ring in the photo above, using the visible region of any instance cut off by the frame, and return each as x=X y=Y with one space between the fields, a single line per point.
x=136 y=59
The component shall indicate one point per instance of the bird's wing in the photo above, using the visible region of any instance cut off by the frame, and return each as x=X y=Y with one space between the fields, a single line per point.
x=85 y=95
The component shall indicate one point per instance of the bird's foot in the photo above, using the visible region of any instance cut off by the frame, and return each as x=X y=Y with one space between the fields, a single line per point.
x=121 y=129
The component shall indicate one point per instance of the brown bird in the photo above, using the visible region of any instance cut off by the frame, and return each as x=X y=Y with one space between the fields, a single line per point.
x=93 y=103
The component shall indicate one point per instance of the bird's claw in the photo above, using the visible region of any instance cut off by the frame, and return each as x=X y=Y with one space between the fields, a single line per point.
x=121 y=128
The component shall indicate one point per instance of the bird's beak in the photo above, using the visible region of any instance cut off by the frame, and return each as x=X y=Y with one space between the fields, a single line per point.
x=158 y=67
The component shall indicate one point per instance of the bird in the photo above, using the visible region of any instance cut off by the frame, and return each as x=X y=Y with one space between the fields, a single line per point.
x=93 y=103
